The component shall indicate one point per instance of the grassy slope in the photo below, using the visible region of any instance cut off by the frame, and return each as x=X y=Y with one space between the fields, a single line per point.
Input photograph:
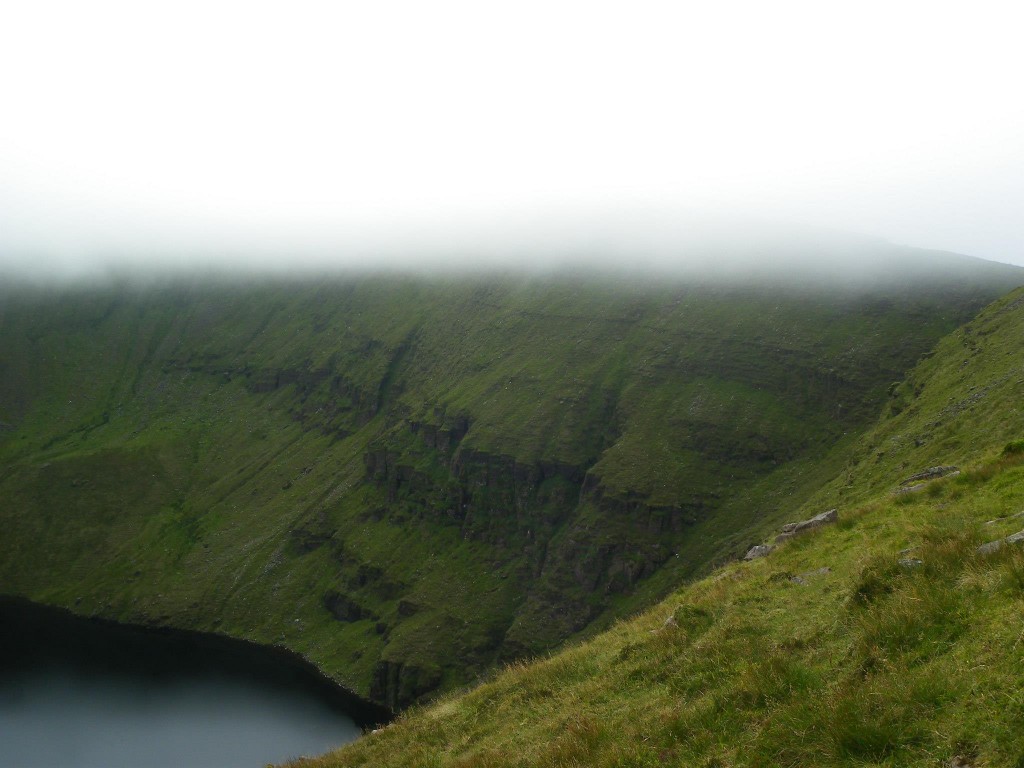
x=966 y=395
x=197 y=456
x=871 y=663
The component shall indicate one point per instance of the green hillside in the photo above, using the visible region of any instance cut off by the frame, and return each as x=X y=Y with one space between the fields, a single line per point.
x=411 y=481
x=890 y=638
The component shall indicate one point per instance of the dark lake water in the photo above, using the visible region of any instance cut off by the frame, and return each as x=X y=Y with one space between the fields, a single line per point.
x=80 y=693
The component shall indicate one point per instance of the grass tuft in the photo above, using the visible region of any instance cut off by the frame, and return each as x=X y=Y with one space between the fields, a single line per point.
x=1013 y=448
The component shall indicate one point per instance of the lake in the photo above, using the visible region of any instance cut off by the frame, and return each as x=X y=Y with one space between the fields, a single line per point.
x=79 y=693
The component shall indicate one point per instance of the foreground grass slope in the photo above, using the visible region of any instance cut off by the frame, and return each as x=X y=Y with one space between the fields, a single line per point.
x=887 y=639
x=410 y=481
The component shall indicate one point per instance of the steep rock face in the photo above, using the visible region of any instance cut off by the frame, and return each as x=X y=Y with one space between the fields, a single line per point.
x=438 y=437
x=505 y=501
x=398 y=684
x=579 y=543
x=344 y=608
x=323 y=398
x=655 y=519
x=516 y=509
x=491 y=498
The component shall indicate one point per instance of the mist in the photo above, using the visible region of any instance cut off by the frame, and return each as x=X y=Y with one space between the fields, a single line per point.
x=716 y=140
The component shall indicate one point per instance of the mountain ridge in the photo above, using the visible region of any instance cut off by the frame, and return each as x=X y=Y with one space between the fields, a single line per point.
x=410 y=481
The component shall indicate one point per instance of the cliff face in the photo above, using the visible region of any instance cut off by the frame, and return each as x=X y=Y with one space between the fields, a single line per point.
x=411 y=481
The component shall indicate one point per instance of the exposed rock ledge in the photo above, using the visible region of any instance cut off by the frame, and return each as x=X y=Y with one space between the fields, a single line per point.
x=792 y=530
x=995 y=546
x=932 y=473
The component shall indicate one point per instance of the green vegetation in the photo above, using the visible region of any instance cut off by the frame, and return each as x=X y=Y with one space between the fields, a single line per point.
x=413 y=481
x=964 y=398
x=886 y=639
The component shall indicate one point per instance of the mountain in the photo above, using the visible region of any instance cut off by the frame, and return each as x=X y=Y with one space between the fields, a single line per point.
x=411 y=480
x=890 y=637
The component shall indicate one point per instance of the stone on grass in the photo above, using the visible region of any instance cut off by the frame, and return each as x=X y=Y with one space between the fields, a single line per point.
x=791 y=530
x=989 y=547
x=759 y=550
x=910 y=489
x=804 y=578
x=932 y=473
x=994 y=546
x=1004 y=519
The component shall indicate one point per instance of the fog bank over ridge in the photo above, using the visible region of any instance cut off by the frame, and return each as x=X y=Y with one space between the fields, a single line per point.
x=395 y=134
x=718 y=248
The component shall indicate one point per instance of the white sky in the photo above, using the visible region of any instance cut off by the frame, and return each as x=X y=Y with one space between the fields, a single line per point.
x=142 y=128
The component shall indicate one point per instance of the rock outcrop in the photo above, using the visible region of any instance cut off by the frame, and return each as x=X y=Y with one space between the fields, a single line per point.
x=994 y=546
x=759 y=550
x=932 y=473
x=398 y=684
x=792 y=530
x=805 y=578
x=1001 y=519
x=910 y=489
x=344 y=608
